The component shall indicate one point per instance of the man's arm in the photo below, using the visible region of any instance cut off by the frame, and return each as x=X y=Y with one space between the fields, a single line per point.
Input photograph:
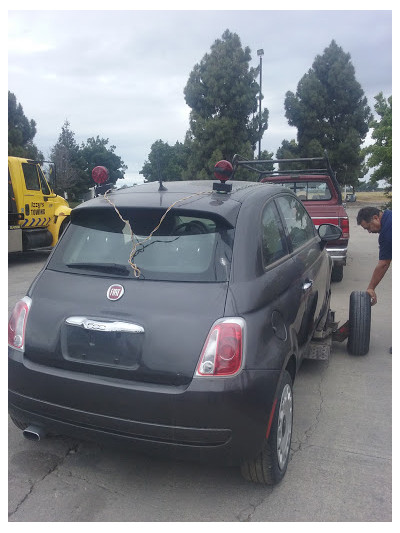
x=380 y=270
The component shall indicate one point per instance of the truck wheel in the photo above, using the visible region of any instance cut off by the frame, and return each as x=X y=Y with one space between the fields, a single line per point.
x=270 y=465
x=64 y=224
x=359 y=323
x=337 y=273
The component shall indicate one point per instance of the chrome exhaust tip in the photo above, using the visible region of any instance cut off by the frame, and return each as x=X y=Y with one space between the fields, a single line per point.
x=33 y=433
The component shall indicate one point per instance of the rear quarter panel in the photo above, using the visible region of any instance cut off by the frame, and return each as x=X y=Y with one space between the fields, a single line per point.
x=256 y=294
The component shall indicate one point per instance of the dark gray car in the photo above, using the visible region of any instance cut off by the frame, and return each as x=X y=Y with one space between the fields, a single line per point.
x=174 y=321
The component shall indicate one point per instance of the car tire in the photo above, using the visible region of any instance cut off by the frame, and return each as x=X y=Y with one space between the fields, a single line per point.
x=359 y=323
x=337 y=273
x=270 y=465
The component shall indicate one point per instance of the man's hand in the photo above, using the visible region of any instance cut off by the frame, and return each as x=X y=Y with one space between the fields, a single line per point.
x=380 y=270
x=374 y=299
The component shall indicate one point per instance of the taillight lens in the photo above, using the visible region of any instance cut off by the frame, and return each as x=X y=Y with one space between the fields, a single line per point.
x=17 y=324
x=222 y=354
x=344 y=226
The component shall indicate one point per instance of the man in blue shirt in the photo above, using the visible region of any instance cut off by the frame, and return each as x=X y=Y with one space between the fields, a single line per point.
x=376 y=221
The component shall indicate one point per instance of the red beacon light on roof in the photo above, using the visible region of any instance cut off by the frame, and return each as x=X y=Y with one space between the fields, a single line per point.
x=100 y=175
x=223 y=170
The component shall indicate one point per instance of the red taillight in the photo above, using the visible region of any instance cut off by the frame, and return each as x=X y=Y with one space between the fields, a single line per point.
x=223 y=351
x=344 y=226
x=17 y=324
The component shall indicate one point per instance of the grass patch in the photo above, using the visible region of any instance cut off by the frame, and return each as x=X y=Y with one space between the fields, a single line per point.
x=366 y=197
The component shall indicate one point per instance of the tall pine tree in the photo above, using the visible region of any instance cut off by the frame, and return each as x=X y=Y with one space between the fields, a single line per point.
x=330 y=113
x=379 y=154
x=70 y=164
x=21 y=131
x=222 y=93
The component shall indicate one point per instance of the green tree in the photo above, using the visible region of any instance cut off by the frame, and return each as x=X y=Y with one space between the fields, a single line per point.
x=379 y=154
x=245 y=174
x=95 y=152
x=21 y=131
x=288 y=150
x=222 y=94
x=70 y=165
x=74 y=163
x=330 y=113
x=165 y=162
x=367 y=186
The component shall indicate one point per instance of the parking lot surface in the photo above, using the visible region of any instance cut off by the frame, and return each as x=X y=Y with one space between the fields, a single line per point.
x=340 y=466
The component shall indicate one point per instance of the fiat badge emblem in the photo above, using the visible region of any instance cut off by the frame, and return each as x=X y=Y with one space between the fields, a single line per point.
x=115 y=292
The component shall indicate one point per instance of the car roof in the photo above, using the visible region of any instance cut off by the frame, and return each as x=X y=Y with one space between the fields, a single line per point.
x=195 y=195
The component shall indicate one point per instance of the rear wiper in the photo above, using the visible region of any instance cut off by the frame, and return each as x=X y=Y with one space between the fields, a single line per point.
x=103 y=267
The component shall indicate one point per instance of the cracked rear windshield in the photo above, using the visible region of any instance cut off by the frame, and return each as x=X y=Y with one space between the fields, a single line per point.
x=187 y=246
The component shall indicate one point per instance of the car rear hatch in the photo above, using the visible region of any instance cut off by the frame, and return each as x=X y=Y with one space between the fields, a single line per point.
x=95 y=313
x=155 y=332
x=98 y=309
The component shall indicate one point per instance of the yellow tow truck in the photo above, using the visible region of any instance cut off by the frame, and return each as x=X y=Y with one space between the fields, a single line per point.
x=37 y=216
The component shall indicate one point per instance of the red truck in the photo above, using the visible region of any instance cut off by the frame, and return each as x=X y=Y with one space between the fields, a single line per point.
x=319 y=191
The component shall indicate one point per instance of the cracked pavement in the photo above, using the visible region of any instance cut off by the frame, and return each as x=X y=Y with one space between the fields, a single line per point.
x=340 y=465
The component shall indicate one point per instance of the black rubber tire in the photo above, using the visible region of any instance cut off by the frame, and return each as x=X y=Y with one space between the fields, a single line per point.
x=64 y=224
x=337 y=273
x=359 y=323
x=267 y=468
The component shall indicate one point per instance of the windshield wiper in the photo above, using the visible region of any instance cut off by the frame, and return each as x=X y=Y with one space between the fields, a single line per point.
x=103 y=267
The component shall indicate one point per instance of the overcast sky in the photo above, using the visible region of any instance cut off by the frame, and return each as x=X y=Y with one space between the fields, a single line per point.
x=121 y=74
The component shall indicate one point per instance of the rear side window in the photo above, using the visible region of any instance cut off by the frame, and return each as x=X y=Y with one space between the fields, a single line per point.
x=309 y=190
x=298 y=222
x=273 y=241
x=186 y=246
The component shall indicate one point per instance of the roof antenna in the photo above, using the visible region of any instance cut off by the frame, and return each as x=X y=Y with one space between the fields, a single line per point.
x=161 y=187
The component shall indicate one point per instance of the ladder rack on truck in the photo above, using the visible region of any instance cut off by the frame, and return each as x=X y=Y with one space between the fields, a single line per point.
x=315 y=184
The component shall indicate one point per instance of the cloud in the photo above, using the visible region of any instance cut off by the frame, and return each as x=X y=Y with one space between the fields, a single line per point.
x=121 y=74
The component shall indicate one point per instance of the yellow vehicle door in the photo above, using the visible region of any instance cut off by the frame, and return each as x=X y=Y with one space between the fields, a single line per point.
x=39 y=205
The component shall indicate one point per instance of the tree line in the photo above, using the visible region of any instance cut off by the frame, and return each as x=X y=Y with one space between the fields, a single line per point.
x=329 y=110
x=74 y=163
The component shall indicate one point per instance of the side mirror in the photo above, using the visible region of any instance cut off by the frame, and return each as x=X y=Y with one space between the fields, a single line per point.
x=329 y=232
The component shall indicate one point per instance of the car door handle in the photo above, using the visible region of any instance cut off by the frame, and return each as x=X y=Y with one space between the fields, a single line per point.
x=307 y=284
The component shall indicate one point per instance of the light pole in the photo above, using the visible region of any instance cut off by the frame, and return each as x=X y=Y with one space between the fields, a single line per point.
x=260 y=53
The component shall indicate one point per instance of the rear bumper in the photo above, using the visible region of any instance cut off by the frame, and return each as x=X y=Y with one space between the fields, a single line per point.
x=175 y=442
x=211 y=419
x=338 y=254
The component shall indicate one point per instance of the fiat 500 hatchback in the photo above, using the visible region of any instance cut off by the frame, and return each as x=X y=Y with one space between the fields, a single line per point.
x=174 y=319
